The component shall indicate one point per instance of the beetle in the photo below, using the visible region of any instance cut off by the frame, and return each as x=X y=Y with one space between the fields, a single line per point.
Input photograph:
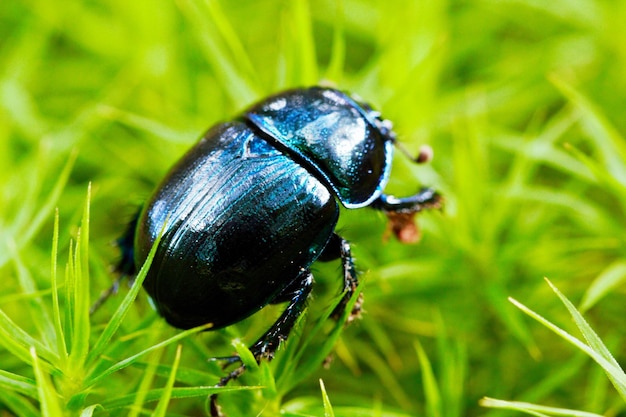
x=246 y=211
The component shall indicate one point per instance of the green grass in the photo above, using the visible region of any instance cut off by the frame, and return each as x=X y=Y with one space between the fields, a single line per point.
x=521 y=100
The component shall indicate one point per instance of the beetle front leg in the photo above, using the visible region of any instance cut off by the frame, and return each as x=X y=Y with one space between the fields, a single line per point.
x=426 y=199
x=339 y=248
x=401 y=212
x=266 y=346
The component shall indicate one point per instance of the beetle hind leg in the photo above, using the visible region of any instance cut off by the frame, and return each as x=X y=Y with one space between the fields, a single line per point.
x=265 y=347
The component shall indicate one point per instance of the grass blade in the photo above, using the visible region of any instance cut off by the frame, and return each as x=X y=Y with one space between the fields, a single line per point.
x=38 y=313
x=14 y=339
x=614 y=372
x=179 y=392
x=334 y=71
x=601 y=355
x=38 y=219
x=19 y=405
x=48 y=397
x=161 y=409
x=328 y=408
x=533 y=409
x=431 y=388
x=612 y=277
x=226 y=68
x=232 y=41
x=94 y=379
x=115 y=322
x=81 y=330
x=18 y=383
x=608 y=140
x=305 y=42
x=56 y=310
x=147 y=379
x=88 y=412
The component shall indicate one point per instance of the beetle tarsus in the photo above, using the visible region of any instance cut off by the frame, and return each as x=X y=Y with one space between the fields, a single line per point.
x=216 y=410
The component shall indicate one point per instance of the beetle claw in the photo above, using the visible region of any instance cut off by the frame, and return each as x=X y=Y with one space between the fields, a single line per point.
x=263 y=349
x=215 y=409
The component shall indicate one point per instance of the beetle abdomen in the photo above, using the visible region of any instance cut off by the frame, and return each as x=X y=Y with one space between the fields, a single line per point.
x=246 y=220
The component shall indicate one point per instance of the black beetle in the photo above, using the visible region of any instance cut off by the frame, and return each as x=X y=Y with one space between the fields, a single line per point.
x=253 y=204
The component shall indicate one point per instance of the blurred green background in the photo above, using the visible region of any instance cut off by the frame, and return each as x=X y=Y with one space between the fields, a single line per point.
x=522 y=101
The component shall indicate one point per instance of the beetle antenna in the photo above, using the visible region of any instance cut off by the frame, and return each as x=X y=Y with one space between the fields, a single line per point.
x=424 y=155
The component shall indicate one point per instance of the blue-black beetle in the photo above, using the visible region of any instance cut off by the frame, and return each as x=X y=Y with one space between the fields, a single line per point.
x=254 y=203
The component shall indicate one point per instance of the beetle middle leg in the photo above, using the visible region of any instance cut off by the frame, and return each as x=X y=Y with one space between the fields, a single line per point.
x=265 y=347
x=339 y=248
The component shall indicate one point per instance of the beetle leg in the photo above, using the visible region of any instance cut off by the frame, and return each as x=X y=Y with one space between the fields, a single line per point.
x=266 y=346
x=339 y=248
x=401 y=212
x=427 y=198
x=125 y=267
x=287 y=294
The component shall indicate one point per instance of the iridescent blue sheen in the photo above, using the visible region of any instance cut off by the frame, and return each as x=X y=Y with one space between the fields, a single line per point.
x=328 y=132
x=242 y=221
